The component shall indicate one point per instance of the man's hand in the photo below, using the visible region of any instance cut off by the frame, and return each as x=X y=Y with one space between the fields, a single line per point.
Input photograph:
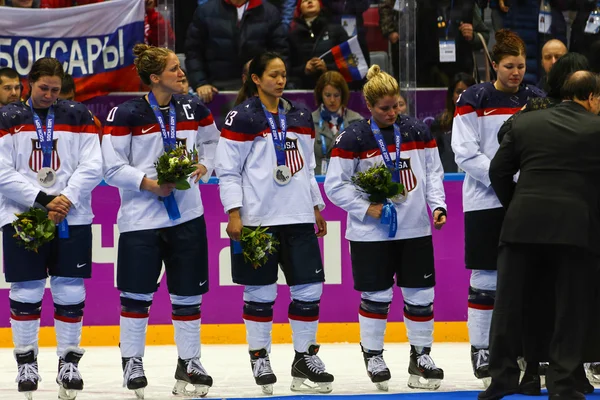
x=394 y=37
x=375 y=210
x=321 y=223
x=467 y=31
x=199 y=172
x=206 y=92
x=60 y=204
x=234 y=226
x=151 y=185
x=439 y=219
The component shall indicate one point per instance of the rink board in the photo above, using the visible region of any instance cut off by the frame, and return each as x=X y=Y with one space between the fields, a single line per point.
x=222 y=306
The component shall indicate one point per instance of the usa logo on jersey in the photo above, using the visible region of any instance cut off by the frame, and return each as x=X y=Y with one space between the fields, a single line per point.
x=407 y=177
x=36 y=158
x=293 y=158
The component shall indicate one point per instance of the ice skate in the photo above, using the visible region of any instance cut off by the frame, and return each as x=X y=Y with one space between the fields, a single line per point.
x=592 y=371
x=423 y=372
x=480 y=360
x=133 y=375
x=309 y=366
x=261 y=369
x=27 y=376
x=191 y=372
x=69 y=379
x=377 y=370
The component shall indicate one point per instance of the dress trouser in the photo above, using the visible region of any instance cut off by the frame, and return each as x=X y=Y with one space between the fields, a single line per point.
x=571 y=271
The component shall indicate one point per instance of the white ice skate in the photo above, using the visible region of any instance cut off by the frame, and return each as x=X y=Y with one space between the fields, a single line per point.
x=592 y=371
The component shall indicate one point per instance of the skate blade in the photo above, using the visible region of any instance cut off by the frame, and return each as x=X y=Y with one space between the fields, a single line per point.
x=299 y=385
x=383 y=386
x=139 y=393
x=67 y=394
x=486 y=382
x=180 y=390
x=594 y=379
x=267 y=389
x=543 y=381
x=28 y=395
x=417 y=382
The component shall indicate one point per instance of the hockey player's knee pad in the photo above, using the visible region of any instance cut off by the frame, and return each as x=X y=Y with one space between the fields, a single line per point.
x=21 y=311
x=374 y=309
x=69 y=312
x=260 y=294
x=309 y=292
x=420 y=313
x=136 y=305
x=307 y=311
x=27 y=292
x=67 y=291
x=186 y=312
x=258 y=312
x=481 y=299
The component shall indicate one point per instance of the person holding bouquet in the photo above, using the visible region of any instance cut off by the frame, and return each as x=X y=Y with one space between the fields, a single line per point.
x=154 y=148
x=384 y=172
x=50 y=161
x=265 y=163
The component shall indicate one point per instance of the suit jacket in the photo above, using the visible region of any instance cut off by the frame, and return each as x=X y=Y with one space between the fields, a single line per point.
x=556 y=199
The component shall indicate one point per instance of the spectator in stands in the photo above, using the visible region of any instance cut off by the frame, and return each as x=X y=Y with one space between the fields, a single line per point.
x=23 y=3
x=441 y=128
x=331 y=116
x=223 y=35
x=582 y=42
x=551 y=52
x=402 y=104
x=67 y=90
x=10 y=86
x=242 y=94
x=66 y=3
x=447 y=20
x=157 y=30
x=389 y=14
x=349 y=14
x=186 y=85
x=311 y=36
x=499 y=9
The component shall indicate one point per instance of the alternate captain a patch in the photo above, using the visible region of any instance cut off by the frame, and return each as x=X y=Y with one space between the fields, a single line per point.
x=293 y=158
x=407 y=177
x=36 y=159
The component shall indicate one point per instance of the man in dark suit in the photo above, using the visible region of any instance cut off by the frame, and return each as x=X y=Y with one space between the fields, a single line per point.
x=551 y=228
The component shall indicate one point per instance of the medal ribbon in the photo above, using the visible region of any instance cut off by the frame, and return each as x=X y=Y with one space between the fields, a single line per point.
x=278 y=136
x=393 y=166
x=44 y=136
x=169 y=142
x=389 y=216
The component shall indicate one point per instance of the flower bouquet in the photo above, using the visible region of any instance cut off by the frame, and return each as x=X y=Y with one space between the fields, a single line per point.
x=33 y=228
x=377 y=183
x=257 y=245
x=175 y=166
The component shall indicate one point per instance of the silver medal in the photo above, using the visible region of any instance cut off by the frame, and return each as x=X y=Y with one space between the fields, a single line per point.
x=282 y=175
x=46 y=177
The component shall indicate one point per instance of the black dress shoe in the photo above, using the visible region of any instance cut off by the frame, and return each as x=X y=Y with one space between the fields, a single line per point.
x=496 y=392
x=584 y=387
x=530 y=385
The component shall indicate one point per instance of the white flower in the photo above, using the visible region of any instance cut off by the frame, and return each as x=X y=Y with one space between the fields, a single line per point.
x=172 y=162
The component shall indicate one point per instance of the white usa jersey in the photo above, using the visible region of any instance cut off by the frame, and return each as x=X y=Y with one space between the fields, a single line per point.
x=421 y=174
x=132 y=142
x=76 y=158
x=246 y=158
x=480 y=112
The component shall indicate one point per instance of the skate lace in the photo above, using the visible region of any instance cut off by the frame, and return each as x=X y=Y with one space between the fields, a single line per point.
x=262 y=367
x=195 y=367
x=426 y=362
x=315 y=364
x=133 y=369
x=482 y=357
x=376 y=365
x=28 y=372
x=69 y=371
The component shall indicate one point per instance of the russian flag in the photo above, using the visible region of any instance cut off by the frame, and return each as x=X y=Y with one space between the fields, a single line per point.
x=350 y=60
x=94 y=43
